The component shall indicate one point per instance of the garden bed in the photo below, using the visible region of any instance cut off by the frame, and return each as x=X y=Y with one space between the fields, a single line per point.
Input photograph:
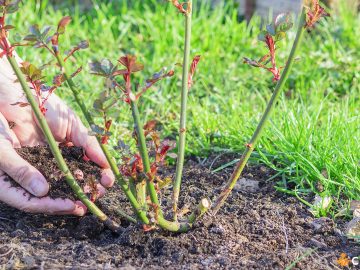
x=258 y=227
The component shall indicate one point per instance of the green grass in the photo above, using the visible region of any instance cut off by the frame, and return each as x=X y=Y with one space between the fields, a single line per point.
x=315 y=127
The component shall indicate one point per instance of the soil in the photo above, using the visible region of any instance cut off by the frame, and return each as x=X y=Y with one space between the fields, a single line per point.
x=42 y=159
x=257 y=228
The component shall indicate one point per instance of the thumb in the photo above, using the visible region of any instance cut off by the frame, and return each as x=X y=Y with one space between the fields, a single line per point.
x=21 y=171
x=16 y=167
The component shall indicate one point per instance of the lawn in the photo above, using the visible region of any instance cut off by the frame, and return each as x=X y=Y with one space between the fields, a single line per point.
x=314 y=136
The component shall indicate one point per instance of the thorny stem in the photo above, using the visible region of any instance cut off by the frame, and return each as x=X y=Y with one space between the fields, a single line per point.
x=55 y=149
x=74 y=90
x=184 y=95
x=144 y=153
x=141 y=186
x=259 y=130
x=120 y=180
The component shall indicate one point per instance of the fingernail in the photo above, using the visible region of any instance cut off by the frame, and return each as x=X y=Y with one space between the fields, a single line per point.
x=107 y=178
x=38 y=188
x=80 y=209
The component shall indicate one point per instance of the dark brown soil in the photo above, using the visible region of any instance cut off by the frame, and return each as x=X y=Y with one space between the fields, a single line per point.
x=42 y=159
x=257 y=229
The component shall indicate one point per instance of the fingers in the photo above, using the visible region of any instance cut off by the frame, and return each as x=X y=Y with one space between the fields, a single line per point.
x=65 y=125
x=94 y=152
x=79 y=210
x=22 y=172
x=20 y=199
x=107 y=178
x=16 y=167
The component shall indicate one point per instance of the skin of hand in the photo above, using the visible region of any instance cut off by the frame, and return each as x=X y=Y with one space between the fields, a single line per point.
x=25 y=131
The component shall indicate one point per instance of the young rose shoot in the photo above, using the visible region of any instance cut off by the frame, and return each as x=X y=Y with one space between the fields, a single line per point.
x=314 y=13
x=280 y=23
x=274 y=32
x=6 y=7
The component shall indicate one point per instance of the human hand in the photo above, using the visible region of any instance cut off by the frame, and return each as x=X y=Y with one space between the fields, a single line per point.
x=65 y=126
